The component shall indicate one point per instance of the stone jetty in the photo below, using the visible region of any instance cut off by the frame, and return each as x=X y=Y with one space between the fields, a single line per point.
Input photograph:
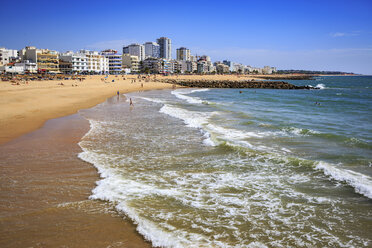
x=286 y=77
x=257 y=84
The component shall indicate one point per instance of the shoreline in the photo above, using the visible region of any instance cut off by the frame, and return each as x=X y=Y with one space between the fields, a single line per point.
x=25 y=108
x=45 y=132
x=45 y=193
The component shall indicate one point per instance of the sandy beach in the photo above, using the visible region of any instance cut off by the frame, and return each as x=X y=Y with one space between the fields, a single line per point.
x=26 y=107
x=45 y=186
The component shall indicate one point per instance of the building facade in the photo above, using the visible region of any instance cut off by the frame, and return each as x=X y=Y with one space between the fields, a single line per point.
x=152 y=49
x=96 y=63
x=131 y=62
x=183 y=54
x=115 y=61
x=6 y=55
x=156 y=65
x=135 y=49
x=165 y=48
x=191 y=66
x=47 y=60
x=79 y=62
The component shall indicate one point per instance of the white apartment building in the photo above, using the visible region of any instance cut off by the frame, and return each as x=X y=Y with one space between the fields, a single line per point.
x=96 y=63
x=183 y=54
x=135 y=49
x=152 y=50
x=115 y=61
x=78 y=61
x=268 y=70
x=6 y=55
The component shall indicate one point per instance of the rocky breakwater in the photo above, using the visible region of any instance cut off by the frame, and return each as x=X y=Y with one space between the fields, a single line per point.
x=285 y=77
x=237 y=84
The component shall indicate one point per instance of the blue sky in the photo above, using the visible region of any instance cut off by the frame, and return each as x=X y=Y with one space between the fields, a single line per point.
x=301 y=34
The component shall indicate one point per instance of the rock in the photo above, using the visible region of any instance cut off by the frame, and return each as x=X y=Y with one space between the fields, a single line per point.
x=236 y=84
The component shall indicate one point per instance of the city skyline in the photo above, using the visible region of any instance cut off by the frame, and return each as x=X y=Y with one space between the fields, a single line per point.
x=332 y=36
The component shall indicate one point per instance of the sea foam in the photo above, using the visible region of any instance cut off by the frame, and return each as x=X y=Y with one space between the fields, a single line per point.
x=362 y=184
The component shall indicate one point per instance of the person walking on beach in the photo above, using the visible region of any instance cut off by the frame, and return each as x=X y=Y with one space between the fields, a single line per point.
x=118 y=93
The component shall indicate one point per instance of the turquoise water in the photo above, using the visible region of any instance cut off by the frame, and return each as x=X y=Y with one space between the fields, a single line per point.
x=219 y=168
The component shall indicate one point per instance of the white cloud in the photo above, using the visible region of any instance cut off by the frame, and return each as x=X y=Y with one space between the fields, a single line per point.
x=342 y=34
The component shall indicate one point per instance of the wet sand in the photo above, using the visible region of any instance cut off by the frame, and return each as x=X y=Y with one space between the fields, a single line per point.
x=45 y=189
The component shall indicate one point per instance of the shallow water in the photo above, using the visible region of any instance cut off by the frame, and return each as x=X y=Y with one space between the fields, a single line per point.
x=276 y=168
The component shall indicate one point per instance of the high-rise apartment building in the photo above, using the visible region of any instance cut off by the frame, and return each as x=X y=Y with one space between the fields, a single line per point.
x=183 y=54
x=165 y=48
x=152 y=49
x=135 y=50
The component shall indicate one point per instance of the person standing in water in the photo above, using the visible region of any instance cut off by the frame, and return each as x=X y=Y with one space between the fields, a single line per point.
x=130 y=102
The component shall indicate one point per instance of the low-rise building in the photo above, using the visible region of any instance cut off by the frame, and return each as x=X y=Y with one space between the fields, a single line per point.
x=131 y=62
x=11 y=68
x=6 y=55
x=177 y=66
x=156 y=65
x=268 y=70
x=222 y=68
x=28 y=66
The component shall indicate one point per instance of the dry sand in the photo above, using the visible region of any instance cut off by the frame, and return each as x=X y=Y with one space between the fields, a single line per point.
x=25 y=107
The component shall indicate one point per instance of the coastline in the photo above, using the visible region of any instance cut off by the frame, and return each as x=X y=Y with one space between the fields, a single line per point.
x=45 y=189
x=26 y=107
x=45 y=186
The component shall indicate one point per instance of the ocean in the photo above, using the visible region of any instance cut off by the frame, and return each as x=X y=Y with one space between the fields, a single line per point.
x=224 y=168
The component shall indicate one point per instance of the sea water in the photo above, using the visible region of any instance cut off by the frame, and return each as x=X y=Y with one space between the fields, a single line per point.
x=224 y=168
